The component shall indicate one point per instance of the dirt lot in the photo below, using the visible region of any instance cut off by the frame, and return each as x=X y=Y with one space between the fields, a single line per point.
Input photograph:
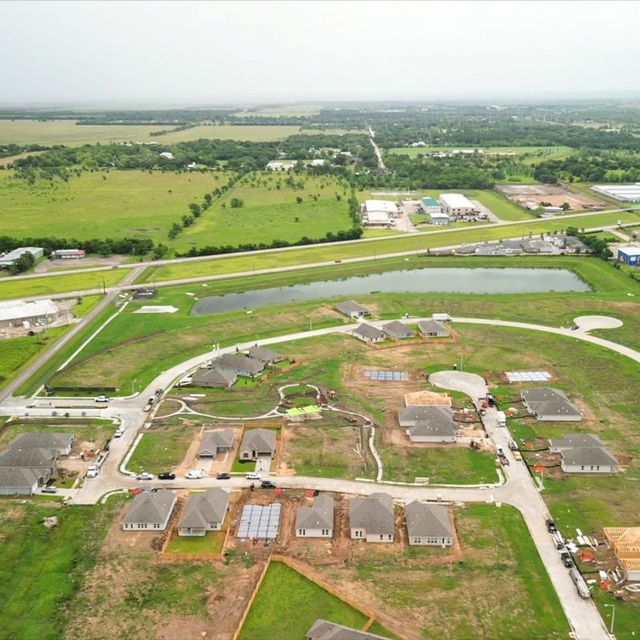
x=82 y=263
x=531 y=195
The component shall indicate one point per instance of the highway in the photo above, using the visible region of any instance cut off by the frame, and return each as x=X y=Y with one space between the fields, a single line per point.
x=518 y=490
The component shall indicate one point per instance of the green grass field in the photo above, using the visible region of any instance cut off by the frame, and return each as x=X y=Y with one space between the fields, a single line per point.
x=113 y=204
x=288 y=604
x=254 y=133
x=161 y=449
x=67 y=132
x=271 y=211
x=441 y=466
x=343 y=251
x=49 y=285
x=41 y=569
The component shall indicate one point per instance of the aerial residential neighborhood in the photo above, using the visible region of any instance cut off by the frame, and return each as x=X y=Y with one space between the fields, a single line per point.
x=319 y=321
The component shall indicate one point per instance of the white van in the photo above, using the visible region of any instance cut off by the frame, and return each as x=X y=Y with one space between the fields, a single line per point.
x=92 y=471
x=441 y=317
x=502 y=418
x=119 y=432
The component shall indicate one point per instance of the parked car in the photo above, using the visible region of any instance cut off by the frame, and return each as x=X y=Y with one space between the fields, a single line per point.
x=223 y=476
x=144 y=476
x=517 y=455
x=159 y=391
x=92 y=471
x=252 y=475
x=119 y=432
x=101 y=399
x=566 y=558
x=151 y=400
x=551 y=526
x=267 y=484
x=166 y=475
x=194 y=474
x=49 y=489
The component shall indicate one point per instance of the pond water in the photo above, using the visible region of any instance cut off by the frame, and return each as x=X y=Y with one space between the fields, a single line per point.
x=437 y=280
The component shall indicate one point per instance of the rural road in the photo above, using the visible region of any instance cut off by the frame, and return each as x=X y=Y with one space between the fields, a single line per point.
x=376 y=148
x=518 y=490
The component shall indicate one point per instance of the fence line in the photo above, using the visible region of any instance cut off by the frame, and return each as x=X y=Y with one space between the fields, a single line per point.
x=251 y=600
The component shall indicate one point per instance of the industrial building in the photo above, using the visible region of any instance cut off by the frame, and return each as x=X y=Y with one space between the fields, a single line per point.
x=9 y=259
x=622 y=192
x=68 y=254
x=431 y=205
x=17 y=313
x=379 y=213
x=455 y=205
x=629 y=255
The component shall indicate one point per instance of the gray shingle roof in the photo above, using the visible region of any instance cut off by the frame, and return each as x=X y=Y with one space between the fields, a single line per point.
x=428 y=520
x=350 y=306
x=571 y=440
x=151 y=508
x=441 y=417
x=587 y=456
x=261 y=440
x=238 y=362
x=319 y=516
x=18 y=477
x=214 y=440
x=545 y=401
x=432 y=326
x=396 y=327
x=42 y=440
x=216 y=376
x=374 y=514
x=264 y=355
x=323 y=630
x=368 y=331
x=19 y=457
x=204 y=509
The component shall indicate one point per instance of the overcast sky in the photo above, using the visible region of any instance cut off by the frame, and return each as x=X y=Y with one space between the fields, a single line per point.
x=212 y=53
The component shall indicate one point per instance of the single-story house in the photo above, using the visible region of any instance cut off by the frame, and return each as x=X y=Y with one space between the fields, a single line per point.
x=428 y=423
x=203 y=512
x=258 y=442
x=58 y=443
x=372 y=518
x=428 y=524
x=316 y=521
x=266 y=356
x=323 y=630
x=352 y=309
x=398 y=330
x=214 y=378
x=433 y=329
x=239 y=364
x=31 y=458
x=368 y=333
x=20 y=481
x=550 y=405
x=214 y=442
x=583 y=453
x=588 y=460
x=150 y=510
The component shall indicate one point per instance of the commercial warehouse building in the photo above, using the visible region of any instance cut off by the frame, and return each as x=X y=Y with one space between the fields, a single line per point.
x=455 y=205
x=622 y=192
x=9 y=259
x=379 y=213
x=17 y=313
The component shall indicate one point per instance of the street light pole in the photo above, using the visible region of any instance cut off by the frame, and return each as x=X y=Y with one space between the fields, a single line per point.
x=132 y=386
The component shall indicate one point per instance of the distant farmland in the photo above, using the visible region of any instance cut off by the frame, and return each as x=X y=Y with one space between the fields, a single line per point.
x=100 y=205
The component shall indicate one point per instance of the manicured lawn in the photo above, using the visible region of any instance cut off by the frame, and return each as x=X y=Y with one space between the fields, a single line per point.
x=114 y=204
x=626 y=623
x=246 y=467
x=41 y=569
x=288 y=604
x=95 y=431
x=211 y=542
x=161 y=450
x=270 y=211
x=441 y=466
